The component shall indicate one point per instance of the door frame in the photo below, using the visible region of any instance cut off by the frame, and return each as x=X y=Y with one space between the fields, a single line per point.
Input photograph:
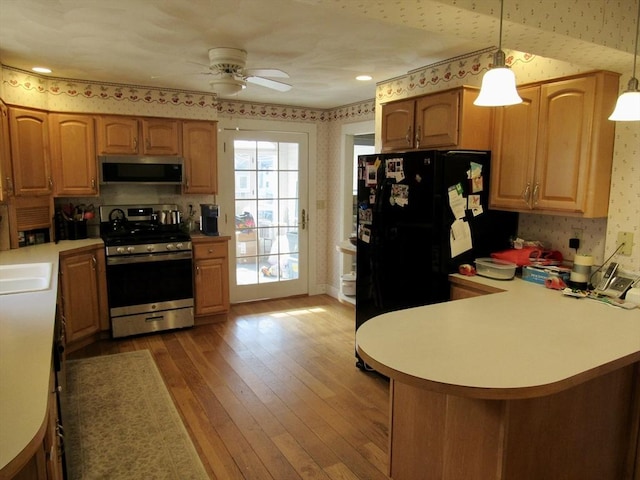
x=226 y=190
x=348 y=132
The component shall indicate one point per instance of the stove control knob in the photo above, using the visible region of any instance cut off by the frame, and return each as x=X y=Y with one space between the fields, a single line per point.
x=120 y=250
x=179 y=245
x=130 y=249
x=150 y=248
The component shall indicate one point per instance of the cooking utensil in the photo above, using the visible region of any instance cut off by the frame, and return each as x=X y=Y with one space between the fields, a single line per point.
x=169 y=217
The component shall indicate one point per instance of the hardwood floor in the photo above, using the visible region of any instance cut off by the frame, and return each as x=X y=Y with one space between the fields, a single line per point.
x=273 y=392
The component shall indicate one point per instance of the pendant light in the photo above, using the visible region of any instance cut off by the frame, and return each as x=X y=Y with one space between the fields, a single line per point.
x=499 y=83
x=628 y=104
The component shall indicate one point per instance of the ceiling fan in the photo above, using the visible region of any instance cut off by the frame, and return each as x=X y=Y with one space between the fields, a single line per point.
x=227 y=66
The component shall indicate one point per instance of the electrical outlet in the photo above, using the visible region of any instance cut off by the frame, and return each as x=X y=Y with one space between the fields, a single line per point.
x=627 y=239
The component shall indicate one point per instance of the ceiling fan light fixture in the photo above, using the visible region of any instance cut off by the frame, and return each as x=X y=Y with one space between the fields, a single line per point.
x=628 y=104
x=498 y=87
x=227 y=87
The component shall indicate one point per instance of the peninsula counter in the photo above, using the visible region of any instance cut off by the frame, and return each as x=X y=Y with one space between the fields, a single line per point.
x=522 y=384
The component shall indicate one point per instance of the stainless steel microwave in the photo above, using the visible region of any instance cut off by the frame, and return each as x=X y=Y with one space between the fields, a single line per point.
x=139 y=169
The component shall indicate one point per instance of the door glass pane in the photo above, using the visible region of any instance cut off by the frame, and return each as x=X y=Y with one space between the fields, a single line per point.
x=266 y=209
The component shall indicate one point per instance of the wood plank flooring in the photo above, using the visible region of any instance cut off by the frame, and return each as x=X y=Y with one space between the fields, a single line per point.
x=273 y=392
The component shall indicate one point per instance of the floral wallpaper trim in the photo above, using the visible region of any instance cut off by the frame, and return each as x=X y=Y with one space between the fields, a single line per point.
x=110 y=92
x=444 y=72
x=297 y=114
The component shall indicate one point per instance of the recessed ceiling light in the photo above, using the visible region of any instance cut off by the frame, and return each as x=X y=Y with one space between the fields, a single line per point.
x=364 y=78
x=41 y=69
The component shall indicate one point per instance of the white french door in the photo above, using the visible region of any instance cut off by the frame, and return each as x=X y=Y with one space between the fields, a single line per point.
x=270 y=241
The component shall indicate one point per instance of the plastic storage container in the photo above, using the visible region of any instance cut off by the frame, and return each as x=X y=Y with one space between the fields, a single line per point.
x=349 y=284
x=495 y=268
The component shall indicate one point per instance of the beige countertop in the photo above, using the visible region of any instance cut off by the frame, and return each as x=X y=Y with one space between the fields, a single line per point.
x=524 y=342
x=26 y=340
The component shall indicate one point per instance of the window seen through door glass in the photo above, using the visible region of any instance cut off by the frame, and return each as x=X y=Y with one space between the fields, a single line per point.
x=266 y=210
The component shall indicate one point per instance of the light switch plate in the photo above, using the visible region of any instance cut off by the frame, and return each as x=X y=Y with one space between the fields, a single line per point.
x=627 y=239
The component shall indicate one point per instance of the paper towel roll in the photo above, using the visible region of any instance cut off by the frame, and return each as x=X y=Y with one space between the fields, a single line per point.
x=581 y=270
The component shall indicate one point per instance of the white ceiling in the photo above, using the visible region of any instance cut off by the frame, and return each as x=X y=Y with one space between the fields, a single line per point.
x=321 y=44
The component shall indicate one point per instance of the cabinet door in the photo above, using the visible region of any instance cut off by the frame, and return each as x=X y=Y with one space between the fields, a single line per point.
x=513 y=152
x=117 y=135
x=6 y=172
x=29 y=132
x=563 y=147
x=160 y=137
x=437 y=120
x=397 y=125
x=80 y=290
x=73 y=155
x=200 y=151
x=211 y=286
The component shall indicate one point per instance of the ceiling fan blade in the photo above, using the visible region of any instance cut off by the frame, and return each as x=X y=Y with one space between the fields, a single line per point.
x=267 y=72
x=273 y=84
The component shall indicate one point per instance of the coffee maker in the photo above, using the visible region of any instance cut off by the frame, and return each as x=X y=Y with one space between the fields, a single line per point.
x=209 y=219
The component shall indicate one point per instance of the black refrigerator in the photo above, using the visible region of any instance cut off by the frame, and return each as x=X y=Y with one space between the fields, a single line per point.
x=420 y=215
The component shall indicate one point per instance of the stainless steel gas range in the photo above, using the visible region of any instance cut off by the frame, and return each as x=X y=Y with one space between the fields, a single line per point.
x=149 y=269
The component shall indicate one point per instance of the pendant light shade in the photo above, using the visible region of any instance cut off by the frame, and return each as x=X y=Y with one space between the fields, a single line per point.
x=628 y=104
x=499 y=83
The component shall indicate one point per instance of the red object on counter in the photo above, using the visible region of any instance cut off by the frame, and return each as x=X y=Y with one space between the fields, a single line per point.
x=466 y=269
x=529 y=256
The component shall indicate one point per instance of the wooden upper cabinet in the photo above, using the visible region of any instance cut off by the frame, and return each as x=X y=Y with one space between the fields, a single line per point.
x=553 y=154
x=513 y=153
x=138 y=136
x=160 y=136
x=30 y=161
x=446 y=119
x=6 y=171
x=200 y=152
x=397 y=125
x=117 y=135
x=73 y=155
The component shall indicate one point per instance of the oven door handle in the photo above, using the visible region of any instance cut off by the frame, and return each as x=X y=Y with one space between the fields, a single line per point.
x=147 y=258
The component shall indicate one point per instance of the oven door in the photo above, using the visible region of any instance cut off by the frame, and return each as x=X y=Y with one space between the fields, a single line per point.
x=155 y=287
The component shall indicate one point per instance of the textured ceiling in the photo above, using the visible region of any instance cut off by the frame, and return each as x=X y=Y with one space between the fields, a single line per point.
x=321 y=44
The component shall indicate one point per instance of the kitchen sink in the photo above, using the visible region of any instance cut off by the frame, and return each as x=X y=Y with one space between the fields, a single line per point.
x=25 y=277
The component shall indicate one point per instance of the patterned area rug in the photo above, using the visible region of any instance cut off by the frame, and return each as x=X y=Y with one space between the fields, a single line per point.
x=121 y=423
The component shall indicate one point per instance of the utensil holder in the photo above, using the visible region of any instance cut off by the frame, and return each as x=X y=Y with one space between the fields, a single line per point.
x=76 y=230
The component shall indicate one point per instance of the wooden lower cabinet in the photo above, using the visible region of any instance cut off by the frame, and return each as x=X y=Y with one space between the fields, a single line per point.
x=42 y=458
x=586 y=432
x=84 y=299
x=462 y=288
x=211 y=277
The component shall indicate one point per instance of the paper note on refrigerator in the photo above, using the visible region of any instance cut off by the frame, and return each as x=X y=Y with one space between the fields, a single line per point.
x=457 y=201
x=460 y=237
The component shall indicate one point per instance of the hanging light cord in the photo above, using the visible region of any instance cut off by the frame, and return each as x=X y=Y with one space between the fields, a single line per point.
x=500 y=37
x=635 y=53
